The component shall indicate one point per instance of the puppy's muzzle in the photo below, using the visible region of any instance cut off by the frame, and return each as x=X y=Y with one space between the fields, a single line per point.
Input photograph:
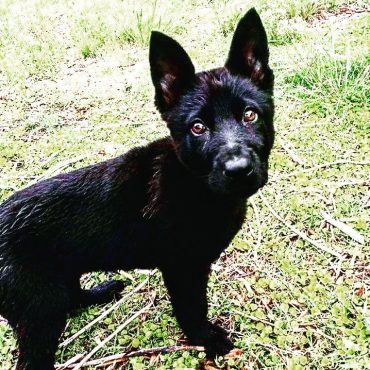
x=239 y=167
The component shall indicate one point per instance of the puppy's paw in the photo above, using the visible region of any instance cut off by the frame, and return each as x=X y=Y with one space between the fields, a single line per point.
x=108 y=291
x=214 y=339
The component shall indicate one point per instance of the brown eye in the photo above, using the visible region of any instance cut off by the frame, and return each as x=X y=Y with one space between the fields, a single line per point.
x=250 y=116
x=198 y=128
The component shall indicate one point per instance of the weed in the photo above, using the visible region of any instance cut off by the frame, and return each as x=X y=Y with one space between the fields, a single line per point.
x=139 y=32
x=332 y=86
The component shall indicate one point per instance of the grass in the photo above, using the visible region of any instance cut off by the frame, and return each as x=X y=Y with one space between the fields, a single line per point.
x=75 y=89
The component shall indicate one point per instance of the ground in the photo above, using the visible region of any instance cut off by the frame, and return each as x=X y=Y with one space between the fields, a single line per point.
x=292 y=289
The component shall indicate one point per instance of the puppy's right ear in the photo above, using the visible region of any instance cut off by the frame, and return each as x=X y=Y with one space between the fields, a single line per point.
x=249 y=54
x=171 y=69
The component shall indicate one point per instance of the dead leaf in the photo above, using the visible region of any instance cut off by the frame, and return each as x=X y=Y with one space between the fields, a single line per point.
x=360 y=289
x=236 y=352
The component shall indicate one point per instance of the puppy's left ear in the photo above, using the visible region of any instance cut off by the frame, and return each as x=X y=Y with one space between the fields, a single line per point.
x=171 y=69
x=249 y=55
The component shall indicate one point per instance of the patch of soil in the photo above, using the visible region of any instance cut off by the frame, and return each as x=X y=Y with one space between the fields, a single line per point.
x=337 y=14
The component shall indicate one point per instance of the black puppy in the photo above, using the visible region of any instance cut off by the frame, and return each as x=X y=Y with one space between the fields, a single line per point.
x=174 y=204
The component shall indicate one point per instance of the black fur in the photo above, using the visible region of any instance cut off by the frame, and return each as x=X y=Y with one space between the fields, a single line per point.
x=174 y=204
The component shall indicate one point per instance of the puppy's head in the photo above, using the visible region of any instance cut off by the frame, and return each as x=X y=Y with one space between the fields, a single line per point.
x=220 y=120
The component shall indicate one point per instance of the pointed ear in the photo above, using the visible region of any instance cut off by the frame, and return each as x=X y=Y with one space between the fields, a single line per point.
x=171 y=69
x=248 y=55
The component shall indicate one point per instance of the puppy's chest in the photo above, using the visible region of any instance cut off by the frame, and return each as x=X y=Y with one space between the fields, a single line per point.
x=199 y=227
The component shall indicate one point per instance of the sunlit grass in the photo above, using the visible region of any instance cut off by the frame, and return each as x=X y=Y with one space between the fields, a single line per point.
x=74 y=80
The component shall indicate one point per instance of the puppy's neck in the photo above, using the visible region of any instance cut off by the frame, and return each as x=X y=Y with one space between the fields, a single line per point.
x=171 y=182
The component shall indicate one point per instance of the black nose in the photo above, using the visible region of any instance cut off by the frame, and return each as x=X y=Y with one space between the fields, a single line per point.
x=238 y=167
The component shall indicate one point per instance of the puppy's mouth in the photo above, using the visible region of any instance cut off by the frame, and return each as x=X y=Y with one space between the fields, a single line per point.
x=241 y=181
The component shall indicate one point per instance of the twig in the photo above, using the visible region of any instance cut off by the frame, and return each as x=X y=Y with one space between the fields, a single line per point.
x=354 y=256
x=70 y=362
x=258 y=222
x=323 y=165
x=352 y=183
x=277 y=349
x=60 y=166
x=320 y=332
x=105 y=313
x=121 y=357
x=253 y=318
x=112 y=335
x=299 y=232
x=292 y=154
x=159 y=350
x=51 y=157
x=348 y=230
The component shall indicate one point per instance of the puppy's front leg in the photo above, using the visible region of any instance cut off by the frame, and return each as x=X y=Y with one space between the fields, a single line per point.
x=188 y=291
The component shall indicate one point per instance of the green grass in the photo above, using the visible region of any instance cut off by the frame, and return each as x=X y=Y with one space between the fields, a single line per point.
x=75 y=89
